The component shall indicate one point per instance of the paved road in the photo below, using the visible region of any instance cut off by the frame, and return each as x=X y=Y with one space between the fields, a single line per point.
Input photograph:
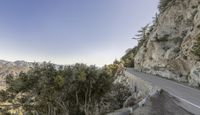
x=189 y=98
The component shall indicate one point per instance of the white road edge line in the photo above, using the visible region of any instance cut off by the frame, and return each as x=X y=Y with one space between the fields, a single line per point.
x=185 y=101
x=180 y=97
x=170 y=81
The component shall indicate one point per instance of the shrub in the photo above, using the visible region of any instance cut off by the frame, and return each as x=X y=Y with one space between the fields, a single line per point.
x=196 y=48
x=74 y=89
x=198 y=26
x=177 y=50
x=163 y=38
x=163 y=4
x=194 y=6
x=115 y=98
x=165 y=48
x=194 y=13
x=184 y=33
x=128 y=58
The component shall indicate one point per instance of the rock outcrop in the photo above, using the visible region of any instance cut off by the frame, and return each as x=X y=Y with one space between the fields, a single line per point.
x=167 y=51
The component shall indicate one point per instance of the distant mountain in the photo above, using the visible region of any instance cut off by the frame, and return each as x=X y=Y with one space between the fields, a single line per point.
x=14 y=68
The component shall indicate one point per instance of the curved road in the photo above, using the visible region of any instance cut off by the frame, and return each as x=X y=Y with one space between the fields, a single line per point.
x=188 y=98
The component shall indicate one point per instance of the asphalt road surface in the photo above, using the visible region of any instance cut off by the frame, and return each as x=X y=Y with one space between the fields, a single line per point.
x=188 y=98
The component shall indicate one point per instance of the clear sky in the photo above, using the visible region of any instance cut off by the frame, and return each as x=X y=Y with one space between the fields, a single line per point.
x=70 y=31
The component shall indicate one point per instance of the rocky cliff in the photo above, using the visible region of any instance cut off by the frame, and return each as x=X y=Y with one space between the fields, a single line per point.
x=168 y=49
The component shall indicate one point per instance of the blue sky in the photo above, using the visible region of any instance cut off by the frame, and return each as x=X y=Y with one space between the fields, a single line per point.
x=70 y=31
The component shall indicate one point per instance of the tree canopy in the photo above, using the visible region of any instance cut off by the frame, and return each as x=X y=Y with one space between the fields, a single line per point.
x=47 y=90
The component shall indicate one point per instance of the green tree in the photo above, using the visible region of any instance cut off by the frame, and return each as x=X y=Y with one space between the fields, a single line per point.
x=75 y=89
x=142 y=36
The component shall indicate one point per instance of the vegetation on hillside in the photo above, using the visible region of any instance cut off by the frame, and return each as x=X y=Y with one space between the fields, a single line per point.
x=163 y=4
x=142 y=38
x=196 y=48
x=68 y=90
x=128 y=58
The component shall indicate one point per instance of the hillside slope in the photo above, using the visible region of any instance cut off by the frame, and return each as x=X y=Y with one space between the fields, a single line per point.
x=14 y=68
x=168 y=50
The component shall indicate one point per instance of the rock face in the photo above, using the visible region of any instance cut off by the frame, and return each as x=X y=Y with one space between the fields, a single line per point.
x=167 y=51
x=14 y=68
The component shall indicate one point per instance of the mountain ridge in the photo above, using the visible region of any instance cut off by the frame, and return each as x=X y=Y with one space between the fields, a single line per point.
x=14 y=68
